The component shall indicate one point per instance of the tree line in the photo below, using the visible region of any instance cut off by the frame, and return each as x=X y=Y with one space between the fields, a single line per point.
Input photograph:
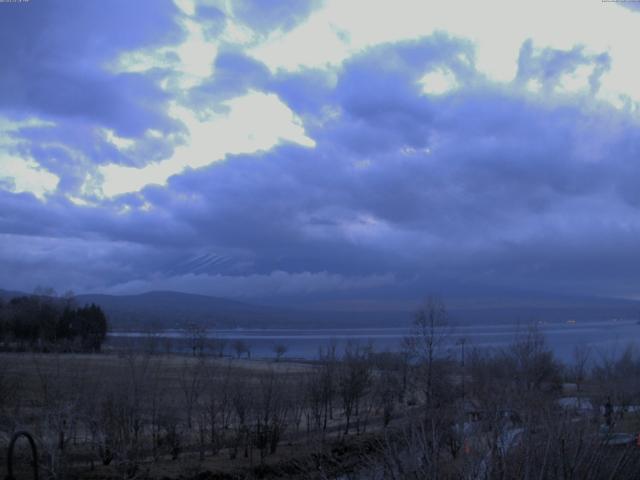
x=45 y=323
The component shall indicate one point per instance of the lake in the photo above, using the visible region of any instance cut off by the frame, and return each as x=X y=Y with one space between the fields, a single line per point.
x=605 y=337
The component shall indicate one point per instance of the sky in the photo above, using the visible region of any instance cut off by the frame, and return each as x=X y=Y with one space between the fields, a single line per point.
x=355 y=152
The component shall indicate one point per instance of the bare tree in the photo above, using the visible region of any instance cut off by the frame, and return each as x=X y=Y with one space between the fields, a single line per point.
x=429 y=333
x=191 y=380
x=217 y=398
x=59 y=406
x=241 y=347
x=242 y=400
x=279 y=349
x=269 y=412
x=387 y=385
x=580 y=367
x=353 y=381
x=152 y=336
x=197 y=335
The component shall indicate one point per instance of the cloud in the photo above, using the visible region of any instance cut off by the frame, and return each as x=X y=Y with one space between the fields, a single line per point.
x=23 y=175
x=55 y=71
x=400 y=161
x=630 y=4
x=568 y=71
x=254 y=122
x=339 y=30
x=53 y=65
x=277 y=283
x=266 y=16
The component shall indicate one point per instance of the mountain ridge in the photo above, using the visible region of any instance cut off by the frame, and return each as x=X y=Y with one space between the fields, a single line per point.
x=161 y=309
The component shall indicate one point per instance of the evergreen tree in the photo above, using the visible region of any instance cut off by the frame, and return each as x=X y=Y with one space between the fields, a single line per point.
x=40 y=320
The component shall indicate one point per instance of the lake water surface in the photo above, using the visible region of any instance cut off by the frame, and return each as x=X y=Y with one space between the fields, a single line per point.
x=606 y=338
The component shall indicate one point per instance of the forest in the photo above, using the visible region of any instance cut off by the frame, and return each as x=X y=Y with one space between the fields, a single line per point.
x=44 y=323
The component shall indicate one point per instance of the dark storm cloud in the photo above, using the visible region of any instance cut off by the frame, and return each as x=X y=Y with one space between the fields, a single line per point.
x=392 y=72
x=55 y=54
x=29 y=261
x=72 y=147
x=483 y=184
x=235 y=75
x=268 y=206
x=22 y=214
x=305 y=92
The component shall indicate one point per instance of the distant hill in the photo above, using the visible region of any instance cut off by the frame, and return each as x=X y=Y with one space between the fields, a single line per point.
x=528 y=307
x=168 y=309
x=175 y=309
x=9 y=294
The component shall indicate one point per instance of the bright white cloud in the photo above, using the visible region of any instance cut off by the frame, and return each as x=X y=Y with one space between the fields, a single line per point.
x=120 y=142
x=19 y=174
x=255 y=122
x=25 y=175
x=342 y=28
x=191 y=60
x=196 y=55
x=438 y=82
x=81 y=202
x=576 y=81
x=533 y=85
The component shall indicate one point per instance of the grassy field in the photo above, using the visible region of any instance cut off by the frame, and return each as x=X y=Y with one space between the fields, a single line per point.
x=75 y=395
x=132 y=415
